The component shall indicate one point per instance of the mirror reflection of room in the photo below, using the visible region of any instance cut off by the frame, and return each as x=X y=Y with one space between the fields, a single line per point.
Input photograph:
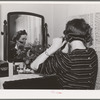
x=31 y=24
x=25 y=34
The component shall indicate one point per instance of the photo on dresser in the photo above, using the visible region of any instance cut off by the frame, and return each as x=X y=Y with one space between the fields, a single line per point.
x=50 y=46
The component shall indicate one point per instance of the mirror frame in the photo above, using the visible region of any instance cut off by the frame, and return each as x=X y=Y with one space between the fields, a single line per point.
x=44 y=35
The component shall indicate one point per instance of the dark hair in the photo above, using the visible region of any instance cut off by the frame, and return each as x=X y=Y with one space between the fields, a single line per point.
x=18 y=35
x=78 y=29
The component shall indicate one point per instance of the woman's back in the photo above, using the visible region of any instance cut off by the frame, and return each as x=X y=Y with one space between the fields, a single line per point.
x=83 y=69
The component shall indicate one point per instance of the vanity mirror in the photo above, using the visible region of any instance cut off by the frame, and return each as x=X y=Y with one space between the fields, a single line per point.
x=25 y=31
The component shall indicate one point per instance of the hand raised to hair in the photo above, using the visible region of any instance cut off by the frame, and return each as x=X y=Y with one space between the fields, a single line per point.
x=57 y=43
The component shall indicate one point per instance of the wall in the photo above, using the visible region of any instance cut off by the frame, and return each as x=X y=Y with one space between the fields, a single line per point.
x=82 y=8
x=59 y=19
x=1 y=40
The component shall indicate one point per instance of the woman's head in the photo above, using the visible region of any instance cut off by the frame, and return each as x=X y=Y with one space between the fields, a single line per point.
x=21 y=37
x=78 y=29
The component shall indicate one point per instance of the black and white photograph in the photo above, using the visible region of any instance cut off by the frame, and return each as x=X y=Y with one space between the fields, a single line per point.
x=50 y=46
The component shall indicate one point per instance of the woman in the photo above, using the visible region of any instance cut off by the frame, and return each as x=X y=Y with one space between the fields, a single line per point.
x=17 y=44
x=76 y=64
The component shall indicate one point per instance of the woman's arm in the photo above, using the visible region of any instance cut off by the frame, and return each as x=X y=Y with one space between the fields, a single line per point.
x=57 y=43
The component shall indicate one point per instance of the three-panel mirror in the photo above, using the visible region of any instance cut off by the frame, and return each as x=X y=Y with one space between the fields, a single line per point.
x=24 y=30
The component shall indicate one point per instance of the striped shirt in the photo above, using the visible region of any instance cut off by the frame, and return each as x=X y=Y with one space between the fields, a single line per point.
x=76 y=70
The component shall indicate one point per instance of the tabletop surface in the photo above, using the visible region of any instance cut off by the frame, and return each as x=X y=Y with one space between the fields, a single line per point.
x=20 y=77
x=29 y=81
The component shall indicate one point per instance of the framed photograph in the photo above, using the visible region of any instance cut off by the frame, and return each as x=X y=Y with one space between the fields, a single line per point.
x=49 y=49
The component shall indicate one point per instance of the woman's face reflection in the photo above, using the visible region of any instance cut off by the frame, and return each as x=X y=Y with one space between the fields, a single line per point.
x=22 y=40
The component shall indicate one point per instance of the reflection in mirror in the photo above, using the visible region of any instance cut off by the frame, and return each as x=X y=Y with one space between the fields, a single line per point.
x=31 y=24
x=25 y=36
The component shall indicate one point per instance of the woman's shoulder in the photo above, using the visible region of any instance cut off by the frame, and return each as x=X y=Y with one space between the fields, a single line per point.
x=83 y=51
x=89 y=50
x=76 y=52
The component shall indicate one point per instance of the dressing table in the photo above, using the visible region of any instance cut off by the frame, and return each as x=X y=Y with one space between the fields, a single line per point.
x=28 y=80
x=18 y=77
x=36 y=28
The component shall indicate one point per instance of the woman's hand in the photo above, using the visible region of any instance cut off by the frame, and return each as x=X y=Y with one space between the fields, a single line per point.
x=57 y=44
